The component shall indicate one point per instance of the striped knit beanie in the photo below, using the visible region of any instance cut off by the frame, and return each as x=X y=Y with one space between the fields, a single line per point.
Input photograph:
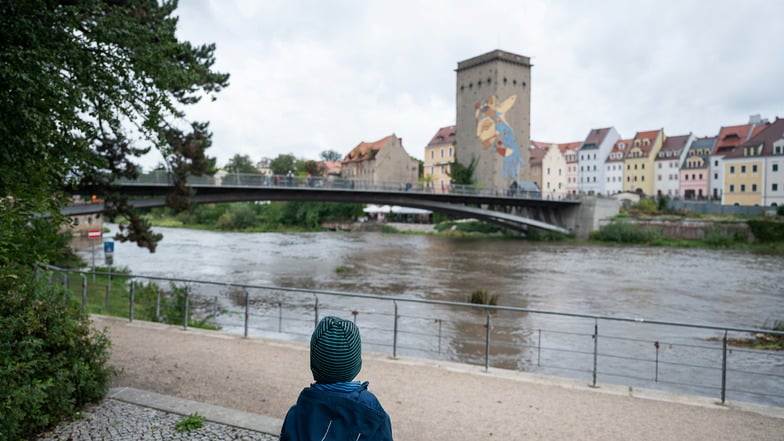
x=335 y=351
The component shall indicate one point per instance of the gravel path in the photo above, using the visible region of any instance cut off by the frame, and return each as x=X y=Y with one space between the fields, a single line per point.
x=119 y=421
x=426 y=400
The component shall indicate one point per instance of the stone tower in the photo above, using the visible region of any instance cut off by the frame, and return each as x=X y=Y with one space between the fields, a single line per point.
x=494 y=117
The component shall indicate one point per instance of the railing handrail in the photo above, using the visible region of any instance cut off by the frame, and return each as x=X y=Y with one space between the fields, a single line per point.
x=424 y=301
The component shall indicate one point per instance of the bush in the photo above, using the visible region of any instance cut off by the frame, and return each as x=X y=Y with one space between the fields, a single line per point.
x=627 y=232
x=780 y=210
x=481 y=297
x=765 y=230
x=51 y=363
x=646 y=206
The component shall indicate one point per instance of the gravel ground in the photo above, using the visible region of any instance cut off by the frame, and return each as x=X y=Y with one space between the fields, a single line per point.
x=116 y=420
x=426 y=400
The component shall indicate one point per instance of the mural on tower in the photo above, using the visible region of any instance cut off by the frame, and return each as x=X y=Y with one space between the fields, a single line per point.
x=493 y=130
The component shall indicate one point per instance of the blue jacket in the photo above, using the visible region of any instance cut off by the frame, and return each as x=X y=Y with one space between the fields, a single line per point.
x=321 y=414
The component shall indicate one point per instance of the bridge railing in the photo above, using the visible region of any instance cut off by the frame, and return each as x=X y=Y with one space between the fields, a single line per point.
x=676 y=357
x=253 y=180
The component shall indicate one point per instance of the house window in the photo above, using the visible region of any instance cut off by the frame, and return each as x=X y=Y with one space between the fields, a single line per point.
x=432 y=154
x=450 y=152
x=743 y=169
x=754 y=188
x=732 y=169
x=774 y=187
x=742 y=188
x=715 y=176
x=754 y=168
x=716 y=163
x=732 y=188
x=775 y=167
x=442 y=153
x=700 y=176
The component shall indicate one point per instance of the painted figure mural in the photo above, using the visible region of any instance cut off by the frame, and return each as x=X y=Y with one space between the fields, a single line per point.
x=493 y=130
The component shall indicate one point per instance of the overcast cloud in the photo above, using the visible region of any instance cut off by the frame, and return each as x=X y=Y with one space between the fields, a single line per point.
x=308 y=76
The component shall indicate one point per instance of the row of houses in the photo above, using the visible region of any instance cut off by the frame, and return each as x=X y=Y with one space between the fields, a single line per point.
x=741 y=165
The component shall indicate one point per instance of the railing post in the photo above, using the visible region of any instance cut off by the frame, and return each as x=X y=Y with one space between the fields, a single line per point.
x=247 y=313
x=316 y=312
x=84 y=293
x=214 y=307
x=157 y=303
x=656 y=376
x=724 y=368
x=106 y=297
x=131 y=302
x=355 y=313
x=185 y=313
x=487 y=341
x=595 y=349
x=439 y=335
x=539 y=349
x=280 y=317
x=394 y=336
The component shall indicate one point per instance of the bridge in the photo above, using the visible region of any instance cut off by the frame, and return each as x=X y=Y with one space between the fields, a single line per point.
x=511 y=209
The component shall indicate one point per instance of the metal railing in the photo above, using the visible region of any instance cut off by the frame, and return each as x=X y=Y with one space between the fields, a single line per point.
x=253 y=180
x=678 y=357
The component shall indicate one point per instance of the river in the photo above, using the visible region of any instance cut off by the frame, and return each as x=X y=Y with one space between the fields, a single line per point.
x=733 y=288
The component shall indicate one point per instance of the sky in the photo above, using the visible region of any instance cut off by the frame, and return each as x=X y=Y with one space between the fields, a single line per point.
x=309 y=76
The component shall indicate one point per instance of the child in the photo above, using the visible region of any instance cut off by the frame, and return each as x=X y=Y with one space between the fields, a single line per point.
x=335 y=407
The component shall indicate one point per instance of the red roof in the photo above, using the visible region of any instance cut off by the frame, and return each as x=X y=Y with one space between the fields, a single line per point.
x=674 y=143
x=763 y=135
x=650 y=135
x=445 y=135
x=732 y=136
x=596 y=136
x=364 y=150
x=618 y=149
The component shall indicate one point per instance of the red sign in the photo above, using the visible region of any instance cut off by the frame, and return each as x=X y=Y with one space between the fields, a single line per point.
x=94 y=234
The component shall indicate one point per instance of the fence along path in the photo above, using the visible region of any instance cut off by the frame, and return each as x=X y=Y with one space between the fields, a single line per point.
x=676 y=357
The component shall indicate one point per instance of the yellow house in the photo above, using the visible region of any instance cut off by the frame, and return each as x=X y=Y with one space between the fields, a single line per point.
x=439 y=154
x=638 y=162
x=743 y=169
x=747 y=180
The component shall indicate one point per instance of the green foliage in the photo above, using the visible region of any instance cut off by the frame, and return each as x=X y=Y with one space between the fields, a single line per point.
x=189 y=423
x=241 y=164
x=626 y=232
x=481 y=297
x=82 y=82
x=645 y=205
x=330 y=155
x=282 y=164
x=537 y=235
x=462 y=174
x=51 y=363
x=717 y=237
x=341 y=269
x=238 y=217
x=780 y=210
x=767 y=230
x=663 y=203
x=389 y=229
x=308 y=167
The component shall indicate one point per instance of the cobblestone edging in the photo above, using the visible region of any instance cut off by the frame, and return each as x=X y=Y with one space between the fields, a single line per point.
x=116 y=420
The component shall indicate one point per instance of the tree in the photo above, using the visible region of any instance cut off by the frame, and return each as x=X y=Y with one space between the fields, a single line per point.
x=331 y=155
x=82 y=81
x=241 y=164
x=310 y=167
x=462 y=174
x=282 y=164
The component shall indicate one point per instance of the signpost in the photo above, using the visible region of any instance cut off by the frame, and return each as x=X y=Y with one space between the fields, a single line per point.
x=108 y=252
x=93 y=235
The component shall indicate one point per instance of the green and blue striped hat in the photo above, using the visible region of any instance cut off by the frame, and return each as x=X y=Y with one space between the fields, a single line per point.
x=335 y=351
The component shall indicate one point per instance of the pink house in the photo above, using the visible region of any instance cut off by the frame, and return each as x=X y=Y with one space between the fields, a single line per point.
x=696 y=168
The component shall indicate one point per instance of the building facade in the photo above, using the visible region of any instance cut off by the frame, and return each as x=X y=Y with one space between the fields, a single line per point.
x=591 y=157
x=668 y=164
x=750 y=176
x=638 y=173
x=695 y=170
x=380 y=162
x=613 y=167
x=439 y=154
x=554 y=168
x=494 y=117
